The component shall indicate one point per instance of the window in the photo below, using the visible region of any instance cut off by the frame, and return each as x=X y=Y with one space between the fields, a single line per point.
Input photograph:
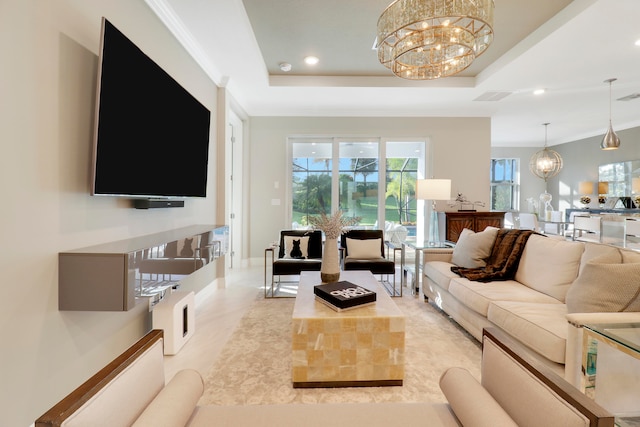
x=359 y=181
x=332 y=173
x=505 y=185
x=311 y=180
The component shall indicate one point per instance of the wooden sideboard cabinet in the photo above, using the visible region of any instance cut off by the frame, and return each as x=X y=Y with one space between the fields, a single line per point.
x=455 y=222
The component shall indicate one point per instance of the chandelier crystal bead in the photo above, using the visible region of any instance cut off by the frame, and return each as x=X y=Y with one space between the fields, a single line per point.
x=546 y=163
x=430 y=39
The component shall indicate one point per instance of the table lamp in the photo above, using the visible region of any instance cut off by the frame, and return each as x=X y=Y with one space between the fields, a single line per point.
x=603 y=189
x=433 y=189
x=586 y=189
x=635 y=189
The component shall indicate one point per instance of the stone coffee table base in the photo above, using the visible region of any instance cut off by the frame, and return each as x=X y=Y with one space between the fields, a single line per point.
x=355 y=348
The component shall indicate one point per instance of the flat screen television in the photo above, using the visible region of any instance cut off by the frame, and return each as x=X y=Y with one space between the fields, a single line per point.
x=151 y=135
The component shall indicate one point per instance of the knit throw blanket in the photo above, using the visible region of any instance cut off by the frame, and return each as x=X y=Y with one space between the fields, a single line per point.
x=503 y=261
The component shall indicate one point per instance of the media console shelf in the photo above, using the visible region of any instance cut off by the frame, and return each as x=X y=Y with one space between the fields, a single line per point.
x=115 y=276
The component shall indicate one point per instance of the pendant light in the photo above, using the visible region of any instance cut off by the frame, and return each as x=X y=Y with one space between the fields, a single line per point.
x=546 y=163
x=610 y=140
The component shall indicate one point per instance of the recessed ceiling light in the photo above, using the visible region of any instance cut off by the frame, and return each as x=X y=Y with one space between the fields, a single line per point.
x=637 y=42
x=538 y=91
x=311 y=60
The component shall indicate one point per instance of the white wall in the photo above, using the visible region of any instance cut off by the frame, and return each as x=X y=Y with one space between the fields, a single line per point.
x=580 y=163
x=461 y=152
x=48 y=51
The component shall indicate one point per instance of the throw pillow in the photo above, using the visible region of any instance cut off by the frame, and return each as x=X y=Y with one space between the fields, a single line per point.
x=604 y=254
x=364 y=248
x=629 y=256
x=605 y=287
x=473 y=249
x=296 y=247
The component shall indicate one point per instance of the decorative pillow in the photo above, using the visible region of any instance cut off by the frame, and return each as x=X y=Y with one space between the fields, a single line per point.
x=629 y=256
x=295 y=247
x=603 y=253
x=605 y=287
x=364 y=248
x=473 y=249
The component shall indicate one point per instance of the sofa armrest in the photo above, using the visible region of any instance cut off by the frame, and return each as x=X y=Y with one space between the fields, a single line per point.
x=118 y=393
x=175 y=403
x=573 y=355
x=437 y=254
x=529 y=391
x=472 y=404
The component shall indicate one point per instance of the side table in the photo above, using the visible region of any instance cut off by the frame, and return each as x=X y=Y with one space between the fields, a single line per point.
x=611 y=363
x=418 y=245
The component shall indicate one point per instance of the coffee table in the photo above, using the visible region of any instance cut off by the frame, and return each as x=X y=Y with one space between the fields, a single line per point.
x=360 y=347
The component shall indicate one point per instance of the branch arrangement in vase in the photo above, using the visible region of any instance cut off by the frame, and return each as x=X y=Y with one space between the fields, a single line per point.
x=332 y=225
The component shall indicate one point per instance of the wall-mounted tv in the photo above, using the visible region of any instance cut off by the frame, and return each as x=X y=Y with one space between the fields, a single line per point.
x=151 y=135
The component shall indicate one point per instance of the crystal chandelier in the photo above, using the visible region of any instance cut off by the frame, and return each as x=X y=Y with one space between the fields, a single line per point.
x=546 y=163
x=429 y=39
x=610 y=140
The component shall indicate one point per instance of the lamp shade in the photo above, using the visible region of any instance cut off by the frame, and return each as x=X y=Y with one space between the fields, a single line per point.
x=585 y=187
x=603 y=187
x=635 y=185
x=433 y=189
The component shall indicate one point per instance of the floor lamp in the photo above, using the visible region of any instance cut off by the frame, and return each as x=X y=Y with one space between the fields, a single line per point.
x=433 y=189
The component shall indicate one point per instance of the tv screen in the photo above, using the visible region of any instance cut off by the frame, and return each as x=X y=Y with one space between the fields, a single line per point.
x=151 y=135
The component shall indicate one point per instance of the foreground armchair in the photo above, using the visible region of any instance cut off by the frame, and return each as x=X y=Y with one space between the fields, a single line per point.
x=516 y=390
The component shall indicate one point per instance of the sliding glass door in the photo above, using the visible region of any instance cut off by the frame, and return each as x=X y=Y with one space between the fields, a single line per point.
x=359 y=178
x=311 y=188
x=372 y=179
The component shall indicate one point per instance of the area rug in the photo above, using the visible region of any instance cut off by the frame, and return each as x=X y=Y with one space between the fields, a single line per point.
x=254 y=366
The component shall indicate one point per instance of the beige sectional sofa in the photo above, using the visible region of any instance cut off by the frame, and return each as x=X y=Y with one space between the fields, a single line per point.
x=131 y=391
x=559 y=285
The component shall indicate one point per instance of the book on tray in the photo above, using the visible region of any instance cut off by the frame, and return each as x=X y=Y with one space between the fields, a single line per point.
x=344 y=295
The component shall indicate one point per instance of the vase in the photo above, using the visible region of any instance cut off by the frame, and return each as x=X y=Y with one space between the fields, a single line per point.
x=330 y=269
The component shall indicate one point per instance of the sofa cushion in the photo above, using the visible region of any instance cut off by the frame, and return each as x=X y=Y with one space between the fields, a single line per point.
x=605 y=287
x=440 y=273
x=543 y=327
x=549 y=265
x=478 y=295
x=472 y=249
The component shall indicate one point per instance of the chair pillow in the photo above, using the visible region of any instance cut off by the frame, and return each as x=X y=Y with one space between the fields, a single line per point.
x=296 y=247
x=473 y=249
x=605 y=287
x=364 y=248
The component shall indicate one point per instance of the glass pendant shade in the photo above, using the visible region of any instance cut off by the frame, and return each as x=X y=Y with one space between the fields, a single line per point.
x=429 y=39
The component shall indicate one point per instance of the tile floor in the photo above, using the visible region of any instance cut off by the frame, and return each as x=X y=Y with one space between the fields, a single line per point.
x=218 y=311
